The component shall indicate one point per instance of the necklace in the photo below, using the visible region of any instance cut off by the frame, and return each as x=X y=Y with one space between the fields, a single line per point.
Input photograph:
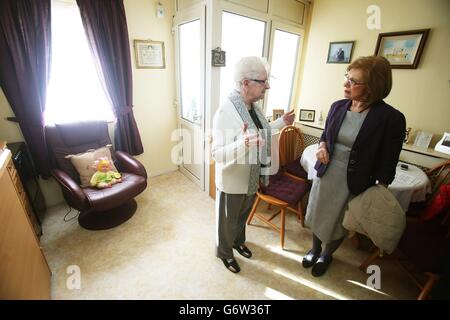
x=360 y=111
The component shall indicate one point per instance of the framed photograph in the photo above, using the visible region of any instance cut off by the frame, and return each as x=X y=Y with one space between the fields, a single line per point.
x=340 y=52
x=149 y=54
x=443 y=145
x=423 y=139
x=307 y=115
x=403 y=49
x=218 y=57
x=277 y=113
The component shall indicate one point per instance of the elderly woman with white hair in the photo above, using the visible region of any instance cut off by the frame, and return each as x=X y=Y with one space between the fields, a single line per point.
x=241 y=150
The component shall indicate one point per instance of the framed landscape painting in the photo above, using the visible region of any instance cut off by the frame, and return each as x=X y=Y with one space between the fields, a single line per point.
x=403 y=49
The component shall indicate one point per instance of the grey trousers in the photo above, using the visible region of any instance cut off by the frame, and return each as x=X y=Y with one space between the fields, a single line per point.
x=232 y=211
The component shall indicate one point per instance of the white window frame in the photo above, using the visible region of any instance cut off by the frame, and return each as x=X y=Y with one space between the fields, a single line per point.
x=278 y=25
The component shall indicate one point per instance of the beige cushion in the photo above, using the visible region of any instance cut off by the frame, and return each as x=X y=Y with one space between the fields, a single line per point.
x=377 y=214
x=83 y=163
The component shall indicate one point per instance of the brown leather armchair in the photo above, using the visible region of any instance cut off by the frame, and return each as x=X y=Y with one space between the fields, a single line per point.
x=99 y=208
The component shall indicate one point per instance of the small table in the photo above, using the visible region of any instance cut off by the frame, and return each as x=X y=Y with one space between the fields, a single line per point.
x=410 y=185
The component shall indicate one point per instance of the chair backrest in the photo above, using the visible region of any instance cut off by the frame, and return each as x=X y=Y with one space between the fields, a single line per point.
x=291 y=145
x=73 y=138
x=438 y=176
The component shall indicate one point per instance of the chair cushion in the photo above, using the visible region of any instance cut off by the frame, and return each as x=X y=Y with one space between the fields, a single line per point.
x=287 y=189
x=83 y=163
x=426 y=245
x=296 y=169
x=108 y=198
x=439 y=204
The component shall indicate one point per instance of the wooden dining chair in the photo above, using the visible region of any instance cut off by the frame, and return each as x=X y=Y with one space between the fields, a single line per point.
x=291 y=146
x=438 y=175
x=423 y=250
x=286 y=193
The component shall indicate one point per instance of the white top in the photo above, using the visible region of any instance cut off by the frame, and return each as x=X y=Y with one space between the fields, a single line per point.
x=228 y=150
x=409 y=185
x=308 y=160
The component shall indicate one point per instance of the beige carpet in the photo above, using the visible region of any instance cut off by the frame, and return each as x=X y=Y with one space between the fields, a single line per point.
x=166 y=251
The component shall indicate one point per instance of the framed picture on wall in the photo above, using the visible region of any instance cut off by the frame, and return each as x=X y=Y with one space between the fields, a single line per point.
x=307 y=115
x=149 y=54
x=403 y=49
x=340 y=52
x=277 y=113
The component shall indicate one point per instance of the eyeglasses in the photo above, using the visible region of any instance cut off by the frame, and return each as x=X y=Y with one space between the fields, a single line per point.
x=351 y=81
x=263 y=82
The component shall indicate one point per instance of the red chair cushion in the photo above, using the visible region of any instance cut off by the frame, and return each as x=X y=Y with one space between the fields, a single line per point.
x=286 y=189
x=439 y=204
x=296 y=169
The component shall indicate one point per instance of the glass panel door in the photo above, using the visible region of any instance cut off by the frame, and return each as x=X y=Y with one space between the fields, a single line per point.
x=283 y=66
x=190 y=66
x=190 y=71
x=241 y=36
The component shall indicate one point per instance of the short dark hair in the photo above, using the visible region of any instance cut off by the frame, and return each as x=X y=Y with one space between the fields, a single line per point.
x=377 y=73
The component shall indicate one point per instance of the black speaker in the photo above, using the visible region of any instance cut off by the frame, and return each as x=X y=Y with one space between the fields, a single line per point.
x=29 y=177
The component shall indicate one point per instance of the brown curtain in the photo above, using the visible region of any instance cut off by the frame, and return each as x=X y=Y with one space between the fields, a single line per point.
x=106 y=28
x=25 y=49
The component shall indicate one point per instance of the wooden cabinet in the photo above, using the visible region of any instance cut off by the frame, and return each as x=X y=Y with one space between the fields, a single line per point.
x=24 y=272
x=26 y=181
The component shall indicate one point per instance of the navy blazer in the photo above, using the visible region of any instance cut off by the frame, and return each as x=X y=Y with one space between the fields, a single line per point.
x=375 y=152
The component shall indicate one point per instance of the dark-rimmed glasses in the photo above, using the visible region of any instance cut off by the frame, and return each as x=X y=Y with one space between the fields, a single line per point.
x=351 y=81
x=263 y=82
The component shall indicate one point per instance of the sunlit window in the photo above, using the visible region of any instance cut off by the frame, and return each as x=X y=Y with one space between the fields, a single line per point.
x=190 y=71
x=75 y=92
x=241 y=36
x=284 y=59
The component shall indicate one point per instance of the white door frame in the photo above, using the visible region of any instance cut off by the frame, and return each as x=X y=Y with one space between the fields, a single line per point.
x=196 y=12
x=211 y=13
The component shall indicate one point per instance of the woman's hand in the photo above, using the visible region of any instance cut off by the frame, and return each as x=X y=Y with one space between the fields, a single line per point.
x=289 y=117
x=322 y=153
x=252 y=139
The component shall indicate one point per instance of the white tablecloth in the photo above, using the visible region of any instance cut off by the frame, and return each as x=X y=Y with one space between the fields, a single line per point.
x=409 y=185
x=308 y=160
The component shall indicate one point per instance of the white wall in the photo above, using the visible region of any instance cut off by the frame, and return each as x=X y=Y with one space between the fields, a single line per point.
x=154 y=89
x=422 y=94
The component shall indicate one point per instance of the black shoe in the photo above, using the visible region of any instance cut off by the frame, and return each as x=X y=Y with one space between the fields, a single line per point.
x=231 y=265
x=310 y=259
x=321 y=266
x=244 y=251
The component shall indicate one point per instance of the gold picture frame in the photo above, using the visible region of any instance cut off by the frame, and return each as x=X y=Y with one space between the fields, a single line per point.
x=277 y=113
x=149 y=54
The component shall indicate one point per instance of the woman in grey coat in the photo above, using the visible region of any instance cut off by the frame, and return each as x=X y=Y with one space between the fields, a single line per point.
x=359 y=147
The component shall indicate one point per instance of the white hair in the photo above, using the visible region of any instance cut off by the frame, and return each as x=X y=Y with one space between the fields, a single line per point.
x=249 y=68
